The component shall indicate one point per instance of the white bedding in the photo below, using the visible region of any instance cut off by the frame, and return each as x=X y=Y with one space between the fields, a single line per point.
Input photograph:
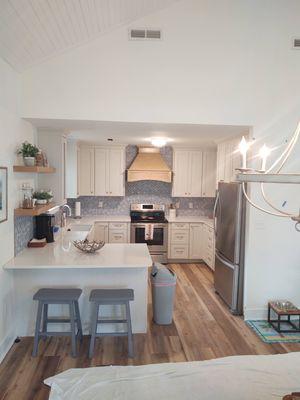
x=230 y=378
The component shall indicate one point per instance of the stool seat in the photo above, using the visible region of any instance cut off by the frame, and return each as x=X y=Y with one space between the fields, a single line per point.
x=114 y=295
x=64 y=294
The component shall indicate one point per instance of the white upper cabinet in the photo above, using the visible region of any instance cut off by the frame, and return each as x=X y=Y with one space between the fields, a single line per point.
x=194 y=173
x=86 y=170
x=209 y=174
x=181 y=173
x=101 y=171
x=116 y=172
x=228 y=159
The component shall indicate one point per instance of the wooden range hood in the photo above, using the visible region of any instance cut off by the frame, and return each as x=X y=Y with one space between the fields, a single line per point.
x=149 y=165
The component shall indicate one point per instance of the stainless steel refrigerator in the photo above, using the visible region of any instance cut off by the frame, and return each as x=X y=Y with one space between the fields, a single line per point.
x=229 y=217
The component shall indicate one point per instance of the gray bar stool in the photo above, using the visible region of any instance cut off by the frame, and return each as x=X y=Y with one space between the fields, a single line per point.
x=101 y=297
x=48 y=296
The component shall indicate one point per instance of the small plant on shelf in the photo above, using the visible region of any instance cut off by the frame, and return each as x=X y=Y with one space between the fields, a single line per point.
x=42 y=197
x=29 y=152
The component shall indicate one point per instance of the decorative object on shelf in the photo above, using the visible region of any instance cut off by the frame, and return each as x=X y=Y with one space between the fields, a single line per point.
x=3 y=194
x=27 y=200
x=29 y=152
x=43 y=196
x=39 y=159
x=88 y=247
x=270 y=175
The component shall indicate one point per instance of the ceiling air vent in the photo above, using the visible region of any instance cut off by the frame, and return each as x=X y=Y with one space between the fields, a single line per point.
x=296 y=43
x=144 y=34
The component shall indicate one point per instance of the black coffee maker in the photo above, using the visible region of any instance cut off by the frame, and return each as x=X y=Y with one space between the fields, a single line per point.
x=44 y=227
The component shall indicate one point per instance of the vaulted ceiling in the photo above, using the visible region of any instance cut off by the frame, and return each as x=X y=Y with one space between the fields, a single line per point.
x=33 y=30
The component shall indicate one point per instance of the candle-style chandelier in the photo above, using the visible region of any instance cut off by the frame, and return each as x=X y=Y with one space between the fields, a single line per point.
x=272 y=174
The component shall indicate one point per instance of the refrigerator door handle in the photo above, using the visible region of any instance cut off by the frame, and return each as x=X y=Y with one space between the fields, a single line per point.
x=231 y=266
x=215 y=213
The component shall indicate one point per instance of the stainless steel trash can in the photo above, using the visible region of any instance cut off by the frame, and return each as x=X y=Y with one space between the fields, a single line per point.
x=163 y=282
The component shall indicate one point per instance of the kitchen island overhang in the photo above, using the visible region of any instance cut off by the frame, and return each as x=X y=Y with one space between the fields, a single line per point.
x=61 y=265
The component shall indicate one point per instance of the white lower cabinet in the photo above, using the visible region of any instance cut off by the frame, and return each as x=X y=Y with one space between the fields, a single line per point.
x=100 y=232
x=111 y=232
x=191 y=241
x=196 y=241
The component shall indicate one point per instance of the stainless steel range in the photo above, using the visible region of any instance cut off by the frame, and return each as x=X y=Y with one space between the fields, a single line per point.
x=149 y=225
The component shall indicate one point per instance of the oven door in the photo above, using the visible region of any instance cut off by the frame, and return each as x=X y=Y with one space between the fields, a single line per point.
x=159 y=241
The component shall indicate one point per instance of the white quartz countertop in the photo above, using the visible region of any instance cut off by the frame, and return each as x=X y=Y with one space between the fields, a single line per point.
x=191 y=218
x=90 y=219
x=62 y=254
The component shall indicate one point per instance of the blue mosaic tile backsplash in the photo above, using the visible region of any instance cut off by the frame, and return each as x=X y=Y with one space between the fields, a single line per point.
x=23 y=230
x=143 y=192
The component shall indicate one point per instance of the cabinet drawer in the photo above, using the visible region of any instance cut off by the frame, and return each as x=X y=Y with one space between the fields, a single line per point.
x=179 y=236
x=117 y=225
x=180 y=225
x=179 y=252
x=117 y=236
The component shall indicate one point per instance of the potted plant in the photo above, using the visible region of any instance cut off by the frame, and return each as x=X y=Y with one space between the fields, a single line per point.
x=29 y=152
x=42 y=196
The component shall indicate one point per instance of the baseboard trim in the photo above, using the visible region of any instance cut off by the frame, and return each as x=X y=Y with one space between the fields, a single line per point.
x=255 y=313
x=6 y=344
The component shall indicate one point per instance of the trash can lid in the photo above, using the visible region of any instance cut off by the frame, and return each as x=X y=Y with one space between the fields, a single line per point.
x=161 y=275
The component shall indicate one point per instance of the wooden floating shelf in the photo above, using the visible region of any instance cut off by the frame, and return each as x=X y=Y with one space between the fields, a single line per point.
x=33 y=212
x=269 y=178
x=35 y=169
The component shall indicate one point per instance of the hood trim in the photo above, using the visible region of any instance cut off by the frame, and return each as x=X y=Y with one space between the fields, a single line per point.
x=149 y=165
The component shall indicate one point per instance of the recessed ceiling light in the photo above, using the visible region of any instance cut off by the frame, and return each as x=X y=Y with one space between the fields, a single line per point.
x=158 y=142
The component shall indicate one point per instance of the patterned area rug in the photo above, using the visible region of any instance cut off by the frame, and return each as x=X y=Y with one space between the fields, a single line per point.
x=268 y=334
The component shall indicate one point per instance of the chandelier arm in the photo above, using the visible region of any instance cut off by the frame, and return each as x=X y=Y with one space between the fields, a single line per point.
x=260 y=208
x=289 y=152
x=270 y=204
x=286 y=151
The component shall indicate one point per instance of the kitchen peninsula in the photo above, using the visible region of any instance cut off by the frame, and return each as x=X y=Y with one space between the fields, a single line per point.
x=60 y=264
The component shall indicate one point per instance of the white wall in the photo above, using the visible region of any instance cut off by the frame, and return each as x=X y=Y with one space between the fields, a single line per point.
x=220 y=62
x=13 y=131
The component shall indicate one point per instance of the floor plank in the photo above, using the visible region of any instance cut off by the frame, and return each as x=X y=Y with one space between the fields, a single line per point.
x=202 y=329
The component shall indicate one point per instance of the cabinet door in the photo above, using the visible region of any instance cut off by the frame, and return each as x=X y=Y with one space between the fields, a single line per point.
x=116 y=172
x=86 y=171
x=118 y=236
x=181 y=173
x=101 y=172
x=196 y=241
x=100 y=232
x=209 y=174
x=195 y=174
x=221 y=163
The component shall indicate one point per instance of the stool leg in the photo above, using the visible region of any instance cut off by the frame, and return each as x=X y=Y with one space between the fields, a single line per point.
x=95 y=312
x=79 y=326
x=129 y=329
x=37 y=329
x=73 y=329
x=45 y=317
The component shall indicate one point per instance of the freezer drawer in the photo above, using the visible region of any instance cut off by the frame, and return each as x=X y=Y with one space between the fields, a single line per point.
x=226 y=282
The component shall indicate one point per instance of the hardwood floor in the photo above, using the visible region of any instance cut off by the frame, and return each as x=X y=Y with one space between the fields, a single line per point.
x=202 y=329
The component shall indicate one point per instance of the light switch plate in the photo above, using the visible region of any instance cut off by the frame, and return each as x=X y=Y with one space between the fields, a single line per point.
x=100 y=204
x=191 y=205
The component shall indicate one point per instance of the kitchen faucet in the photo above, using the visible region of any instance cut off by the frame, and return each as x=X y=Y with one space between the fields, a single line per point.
x=63 y=219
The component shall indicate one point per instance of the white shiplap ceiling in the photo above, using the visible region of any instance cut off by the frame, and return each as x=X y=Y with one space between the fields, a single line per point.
x=33 y=30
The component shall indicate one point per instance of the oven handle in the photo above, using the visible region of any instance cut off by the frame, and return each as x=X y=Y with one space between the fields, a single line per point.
x=156 y=225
